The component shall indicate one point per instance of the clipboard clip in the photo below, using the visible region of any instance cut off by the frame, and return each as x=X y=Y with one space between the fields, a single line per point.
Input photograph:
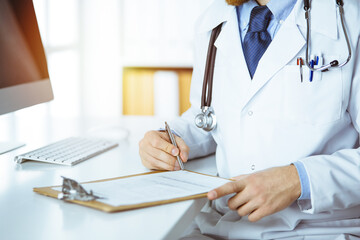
x=72 y=190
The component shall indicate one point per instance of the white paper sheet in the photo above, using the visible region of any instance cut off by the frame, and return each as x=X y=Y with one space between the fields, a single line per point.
x=153 y=187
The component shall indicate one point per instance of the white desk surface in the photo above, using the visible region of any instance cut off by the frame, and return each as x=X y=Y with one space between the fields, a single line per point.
x=27 y=215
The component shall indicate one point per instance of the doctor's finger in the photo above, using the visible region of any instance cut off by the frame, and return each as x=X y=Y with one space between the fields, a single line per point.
x=162 y=142
x=259 y=214
x=228 y=188
x=152 y=163
x=184 y=149
x=237 y=201
x=161 y=155
x=247 y=208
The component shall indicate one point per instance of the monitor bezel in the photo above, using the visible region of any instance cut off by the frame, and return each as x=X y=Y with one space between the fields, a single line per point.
x=25 y=95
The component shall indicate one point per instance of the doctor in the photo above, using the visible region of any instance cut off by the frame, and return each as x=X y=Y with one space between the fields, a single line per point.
x=288 y=137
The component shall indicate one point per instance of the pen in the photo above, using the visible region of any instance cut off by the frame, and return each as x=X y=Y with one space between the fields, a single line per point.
x=172 y=139
x=300 y=63
x=313 y=62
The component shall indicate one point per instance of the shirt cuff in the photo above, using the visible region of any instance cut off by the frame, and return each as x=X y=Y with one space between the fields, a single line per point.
x=304 y=181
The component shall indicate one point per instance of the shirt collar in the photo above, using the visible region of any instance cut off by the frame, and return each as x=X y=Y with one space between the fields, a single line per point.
x=280 y=10
x=244 y=12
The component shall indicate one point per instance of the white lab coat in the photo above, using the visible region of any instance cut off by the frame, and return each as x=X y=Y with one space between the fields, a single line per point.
x=274 y=120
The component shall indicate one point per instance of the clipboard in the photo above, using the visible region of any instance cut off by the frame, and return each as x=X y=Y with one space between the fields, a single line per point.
x=96 y=204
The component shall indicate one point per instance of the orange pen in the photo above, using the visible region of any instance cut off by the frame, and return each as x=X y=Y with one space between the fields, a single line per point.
x=300 y=63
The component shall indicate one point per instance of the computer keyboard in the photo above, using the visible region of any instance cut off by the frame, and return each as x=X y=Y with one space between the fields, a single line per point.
x=69 y=151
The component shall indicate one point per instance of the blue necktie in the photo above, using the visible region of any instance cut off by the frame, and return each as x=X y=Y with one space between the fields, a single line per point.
x=257 y=38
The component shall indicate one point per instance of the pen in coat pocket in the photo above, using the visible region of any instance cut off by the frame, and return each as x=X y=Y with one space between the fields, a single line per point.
x=313 y=62
x=300 y=63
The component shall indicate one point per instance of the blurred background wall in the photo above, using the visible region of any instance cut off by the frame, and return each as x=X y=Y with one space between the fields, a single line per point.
x=114 y=57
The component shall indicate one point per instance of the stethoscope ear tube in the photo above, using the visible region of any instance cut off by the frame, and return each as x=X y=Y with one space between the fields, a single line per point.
x=209 y=69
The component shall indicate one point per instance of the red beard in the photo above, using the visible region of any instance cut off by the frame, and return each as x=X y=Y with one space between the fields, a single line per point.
x=236 y=2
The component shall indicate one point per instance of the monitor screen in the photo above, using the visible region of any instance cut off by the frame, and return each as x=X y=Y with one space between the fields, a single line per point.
x=24 y=77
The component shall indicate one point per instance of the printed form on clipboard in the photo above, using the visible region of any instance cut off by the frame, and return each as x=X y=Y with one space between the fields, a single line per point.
x=144 y=190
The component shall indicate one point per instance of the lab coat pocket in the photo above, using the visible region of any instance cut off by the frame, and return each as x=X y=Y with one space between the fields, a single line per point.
x=312 y=102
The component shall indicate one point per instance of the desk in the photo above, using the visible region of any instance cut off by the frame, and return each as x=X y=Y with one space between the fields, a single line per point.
x=27 y=215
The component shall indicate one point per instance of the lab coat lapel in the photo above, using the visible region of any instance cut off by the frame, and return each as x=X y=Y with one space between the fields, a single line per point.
x=277 y=56
x=233 y=72
x=229 y=48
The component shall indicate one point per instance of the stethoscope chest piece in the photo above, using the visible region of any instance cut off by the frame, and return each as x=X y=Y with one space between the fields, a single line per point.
x=206 y=119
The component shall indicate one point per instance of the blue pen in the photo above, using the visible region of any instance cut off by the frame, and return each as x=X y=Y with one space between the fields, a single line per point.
x=312 y=64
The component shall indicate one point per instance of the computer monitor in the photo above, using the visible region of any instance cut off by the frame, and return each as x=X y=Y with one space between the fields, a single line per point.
x=24 y=77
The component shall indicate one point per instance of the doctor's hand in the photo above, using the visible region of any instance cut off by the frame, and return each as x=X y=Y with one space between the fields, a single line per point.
x=157 y=152
x=261 y=194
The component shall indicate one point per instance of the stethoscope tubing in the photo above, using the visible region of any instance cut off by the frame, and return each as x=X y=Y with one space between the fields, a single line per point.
x=209 y=69
x=335 y=63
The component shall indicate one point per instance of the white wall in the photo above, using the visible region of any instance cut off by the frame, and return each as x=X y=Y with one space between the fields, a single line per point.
x=100 y=49
x=160 y=32
x=89 y=41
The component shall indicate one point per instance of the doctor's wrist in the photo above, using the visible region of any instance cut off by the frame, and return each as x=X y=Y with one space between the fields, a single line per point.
x=295 y=181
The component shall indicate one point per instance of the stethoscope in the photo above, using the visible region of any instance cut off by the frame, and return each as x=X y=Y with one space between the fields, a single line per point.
x=206 y=119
